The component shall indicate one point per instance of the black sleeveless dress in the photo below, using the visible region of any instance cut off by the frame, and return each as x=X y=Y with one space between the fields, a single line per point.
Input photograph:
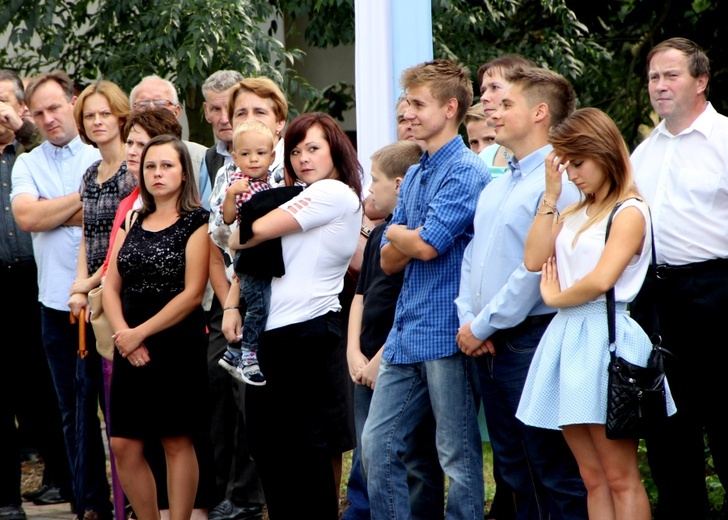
x=168 y=396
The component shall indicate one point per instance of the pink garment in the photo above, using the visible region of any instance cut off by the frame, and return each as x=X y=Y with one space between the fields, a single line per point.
x=124 y=206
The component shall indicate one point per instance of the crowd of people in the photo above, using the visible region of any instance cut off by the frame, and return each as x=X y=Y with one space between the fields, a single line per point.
x=242 y=371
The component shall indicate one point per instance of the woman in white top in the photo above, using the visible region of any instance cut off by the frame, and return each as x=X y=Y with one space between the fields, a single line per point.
x=566 y=386
x=307 y=396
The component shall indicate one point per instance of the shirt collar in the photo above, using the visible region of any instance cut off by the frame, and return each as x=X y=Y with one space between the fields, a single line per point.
x=74 y=146
x=529 y=163
x=703 y=124
x=222 y=149
x=443 y=154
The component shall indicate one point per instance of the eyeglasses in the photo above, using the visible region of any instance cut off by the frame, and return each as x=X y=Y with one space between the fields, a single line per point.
x=154 y=102
x=91 y=116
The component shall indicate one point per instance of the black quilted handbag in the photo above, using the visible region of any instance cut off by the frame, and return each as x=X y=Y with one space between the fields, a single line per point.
x=636 y=400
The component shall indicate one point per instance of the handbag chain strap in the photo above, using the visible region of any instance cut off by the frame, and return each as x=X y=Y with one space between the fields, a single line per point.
x=611 y=310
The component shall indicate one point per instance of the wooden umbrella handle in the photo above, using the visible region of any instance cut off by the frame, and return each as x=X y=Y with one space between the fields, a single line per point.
x=82 y=350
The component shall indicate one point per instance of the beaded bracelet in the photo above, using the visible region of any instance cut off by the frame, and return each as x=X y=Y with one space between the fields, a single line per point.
x=231 y=308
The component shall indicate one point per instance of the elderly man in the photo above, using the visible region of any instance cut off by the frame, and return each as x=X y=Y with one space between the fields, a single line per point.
x=153 y=91
x=238 y=493
x=46 y=202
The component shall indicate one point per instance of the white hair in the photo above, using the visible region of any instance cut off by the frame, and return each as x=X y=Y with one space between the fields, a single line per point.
x=170 y=86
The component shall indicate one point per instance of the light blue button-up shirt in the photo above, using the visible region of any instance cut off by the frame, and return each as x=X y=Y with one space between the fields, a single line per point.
x=496 y=290
x=50 y=172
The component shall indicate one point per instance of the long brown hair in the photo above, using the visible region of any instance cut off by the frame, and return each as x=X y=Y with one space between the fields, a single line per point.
x=343 y=153
x=589 y=133
x=189 y=197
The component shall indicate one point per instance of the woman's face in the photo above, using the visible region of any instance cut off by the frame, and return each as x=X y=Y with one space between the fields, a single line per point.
x=588 y=176
x=250 y=106
x=135 y=143
x=163 y=174
x=311 y=158
x=100 y=123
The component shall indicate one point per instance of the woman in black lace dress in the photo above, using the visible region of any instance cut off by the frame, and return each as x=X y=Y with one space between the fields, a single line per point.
x=152 y=294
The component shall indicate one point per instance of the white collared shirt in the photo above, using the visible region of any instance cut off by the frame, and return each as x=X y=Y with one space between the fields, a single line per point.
x=684 y=179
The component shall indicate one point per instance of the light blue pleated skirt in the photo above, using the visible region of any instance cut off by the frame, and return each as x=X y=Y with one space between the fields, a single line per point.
x=567 y=381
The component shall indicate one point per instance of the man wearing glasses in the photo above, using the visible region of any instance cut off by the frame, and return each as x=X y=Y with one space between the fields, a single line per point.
x=155 y=92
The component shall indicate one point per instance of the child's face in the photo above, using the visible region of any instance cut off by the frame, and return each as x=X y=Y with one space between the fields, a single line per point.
x=480 y=135
x=253 y=154
x=384 y=190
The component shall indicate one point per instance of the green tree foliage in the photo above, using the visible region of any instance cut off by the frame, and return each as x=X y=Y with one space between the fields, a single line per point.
x=125 y=40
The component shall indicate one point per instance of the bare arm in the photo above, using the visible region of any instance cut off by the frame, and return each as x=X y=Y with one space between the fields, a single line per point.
x=197 y=259
x=232 y=321
x=229 y=207
x=625 y=240
x=356 y=359
x=218 y=276
x=544 y=228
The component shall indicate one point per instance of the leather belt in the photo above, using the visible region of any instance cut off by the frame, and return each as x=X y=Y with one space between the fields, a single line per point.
x=666 y=271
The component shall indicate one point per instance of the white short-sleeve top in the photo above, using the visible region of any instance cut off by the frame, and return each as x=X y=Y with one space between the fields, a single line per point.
x=316 y=258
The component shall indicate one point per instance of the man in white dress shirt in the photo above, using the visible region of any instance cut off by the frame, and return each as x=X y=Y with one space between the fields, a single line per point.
x=682 y=171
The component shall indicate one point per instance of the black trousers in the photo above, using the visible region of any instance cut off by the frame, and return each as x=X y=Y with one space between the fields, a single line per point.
x=306 y=401
x=26 y=389
x=235 y=475
x=692 y=308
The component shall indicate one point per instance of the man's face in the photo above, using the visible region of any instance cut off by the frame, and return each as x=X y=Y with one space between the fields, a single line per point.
x=216 y=113
x=426 y=115
x=53 y=113
x=674 y=93
x=8 y=98
x=155 y=91
x=492 y=90
x=404 y=127
x=513 y=119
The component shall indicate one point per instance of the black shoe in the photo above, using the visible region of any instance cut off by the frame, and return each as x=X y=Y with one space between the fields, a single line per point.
x=227 y=510
x=50 y=497
x=12 y=513
x=32 y=495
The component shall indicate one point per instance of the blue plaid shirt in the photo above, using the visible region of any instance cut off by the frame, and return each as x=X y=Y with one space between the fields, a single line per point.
x=440 y=194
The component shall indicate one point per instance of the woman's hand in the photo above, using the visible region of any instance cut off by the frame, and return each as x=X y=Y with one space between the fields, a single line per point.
x=127 y=341
x=554 y=175
x=78 y=301
x=140 y=357
x=83 y=285
x=550 y=288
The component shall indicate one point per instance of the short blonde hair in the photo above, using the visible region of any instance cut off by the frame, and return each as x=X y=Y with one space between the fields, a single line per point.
x=446 y=79
x=252 y=126
x=474 y=113
x=393 y=160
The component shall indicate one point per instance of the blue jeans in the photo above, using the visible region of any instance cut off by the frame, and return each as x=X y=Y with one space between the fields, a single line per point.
x=536 y=463
x=403 y=397
x=425 y=477
x=79 y=386
x=255 y=292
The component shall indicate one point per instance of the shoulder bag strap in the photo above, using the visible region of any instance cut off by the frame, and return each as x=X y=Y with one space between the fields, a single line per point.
x=131 y=217
x=610 y=293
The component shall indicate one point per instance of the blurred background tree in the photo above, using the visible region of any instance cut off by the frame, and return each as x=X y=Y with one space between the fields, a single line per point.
x=599 y=46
